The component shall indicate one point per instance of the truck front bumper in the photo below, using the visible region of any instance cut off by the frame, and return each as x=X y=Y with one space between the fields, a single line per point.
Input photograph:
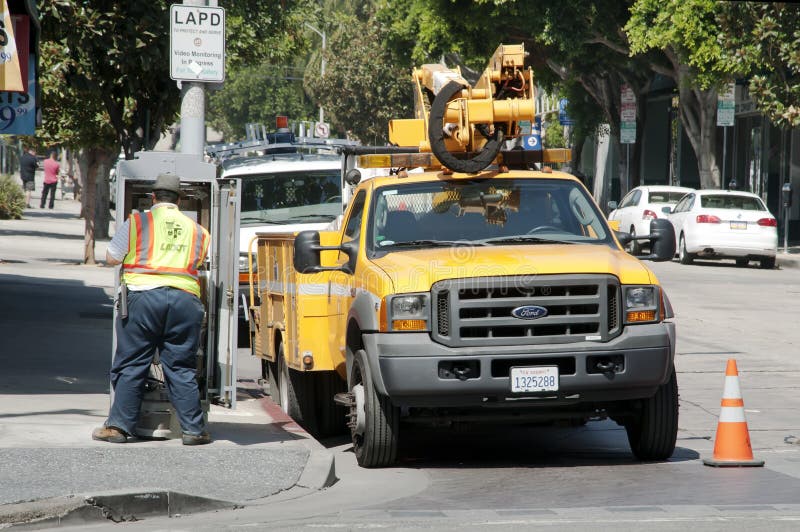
x=414 y=371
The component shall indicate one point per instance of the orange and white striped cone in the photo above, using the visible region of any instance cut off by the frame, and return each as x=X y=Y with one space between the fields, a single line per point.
x=732 y=444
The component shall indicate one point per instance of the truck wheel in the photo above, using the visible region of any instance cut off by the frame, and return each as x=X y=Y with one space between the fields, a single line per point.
x=653 y=432
x=273 y=376
x=330 y=416
x=684 y=256
x=374 y=420
x=296 y=395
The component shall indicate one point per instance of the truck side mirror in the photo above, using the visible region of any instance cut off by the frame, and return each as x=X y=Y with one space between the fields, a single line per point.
x=662 y=240
x=307 y=252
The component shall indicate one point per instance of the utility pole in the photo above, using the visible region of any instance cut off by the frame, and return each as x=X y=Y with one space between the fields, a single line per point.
x=193 y=107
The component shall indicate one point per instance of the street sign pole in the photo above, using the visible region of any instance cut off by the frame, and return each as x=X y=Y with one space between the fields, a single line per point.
x=724 y=153
x=197 y=56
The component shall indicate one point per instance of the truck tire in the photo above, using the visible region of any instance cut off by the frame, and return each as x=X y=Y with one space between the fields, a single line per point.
x=330 y=417
x=653 y=432
x=376 y=444
x=273 y=376
x=296 y=394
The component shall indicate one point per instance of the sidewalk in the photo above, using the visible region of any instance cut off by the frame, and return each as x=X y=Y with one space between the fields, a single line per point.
x=55 y=325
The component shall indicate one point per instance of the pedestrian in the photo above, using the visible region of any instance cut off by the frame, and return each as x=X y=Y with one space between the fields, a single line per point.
x=160 y=251
x=27 y=172
x=51 y=171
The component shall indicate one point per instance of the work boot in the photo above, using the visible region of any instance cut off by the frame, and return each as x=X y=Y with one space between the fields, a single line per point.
x=109 y=434
x=196 y=439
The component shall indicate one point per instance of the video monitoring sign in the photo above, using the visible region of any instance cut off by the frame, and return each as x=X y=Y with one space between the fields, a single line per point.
x=197 y=43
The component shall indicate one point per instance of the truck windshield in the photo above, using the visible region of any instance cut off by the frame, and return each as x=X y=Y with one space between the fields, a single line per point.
x=486 y=212
x=291 y=197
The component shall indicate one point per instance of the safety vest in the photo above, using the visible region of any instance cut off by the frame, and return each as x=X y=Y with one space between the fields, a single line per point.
x=166 y=248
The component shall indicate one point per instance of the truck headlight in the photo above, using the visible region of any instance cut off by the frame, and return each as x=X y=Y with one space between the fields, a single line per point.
x=641 y=304
x=407 y=312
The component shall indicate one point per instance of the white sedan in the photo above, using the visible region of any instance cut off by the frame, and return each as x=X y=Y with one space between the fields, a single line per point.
x=716 y=224
x=642 y=204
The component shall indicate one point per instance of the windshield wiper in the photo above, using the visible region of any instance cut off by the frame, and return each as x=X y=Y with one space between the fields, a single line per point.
x=433 y=243
x=261 y=220
x=525 y=239
x=309 y=216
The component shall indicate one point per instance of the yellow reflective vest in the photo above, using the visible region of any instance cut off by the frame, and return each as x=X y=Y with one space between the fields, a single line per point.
x=166 y=248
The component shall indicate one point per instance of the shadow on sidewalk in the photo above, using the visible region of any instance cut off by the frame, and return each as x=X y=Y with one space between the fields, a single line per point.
x=55 y=336
x=39 y=234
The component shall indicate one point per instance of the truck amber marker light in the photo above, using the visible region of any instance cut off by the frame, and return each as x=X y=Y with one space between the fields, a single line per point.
x=641 y=315
x=409 y=325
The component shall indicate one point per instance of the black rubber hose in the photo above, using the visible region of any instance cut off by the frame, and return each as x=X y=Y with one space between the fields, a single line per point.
x=436 y=136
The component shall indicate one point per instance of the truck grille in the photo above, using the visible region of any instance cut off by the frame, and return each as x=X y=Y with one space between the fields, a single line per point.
x=478 y=311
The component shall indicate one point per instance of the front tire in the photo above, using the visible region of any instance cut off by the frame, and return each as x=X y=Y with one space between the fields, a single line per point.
x=684 y=256
x=742 y=263
x=767 y=263
x=374 y=440
x=652 y=433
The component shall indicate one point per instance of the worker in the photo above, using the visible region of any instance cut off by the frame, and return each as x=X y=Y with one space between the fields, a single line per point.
x=160 y=251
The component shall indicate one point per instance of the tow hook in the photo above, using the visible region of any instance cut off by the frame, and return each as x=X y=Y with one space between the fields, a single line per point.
x=606 y=366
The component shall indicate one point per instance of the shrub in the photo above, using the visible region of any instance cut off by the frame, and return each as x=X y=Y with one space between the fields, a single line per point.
x=12 y=199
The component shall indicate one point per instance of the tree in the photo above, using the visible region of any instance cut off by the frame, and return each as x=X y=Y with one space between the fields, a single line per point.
x=762 y=43
x=362 y=88
x=257 y=94
x=111 y=63
x=688 y=33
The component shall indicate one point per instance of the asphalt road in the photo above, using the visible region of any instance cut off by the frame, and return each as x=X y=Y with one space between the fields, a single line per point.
x=504 y=478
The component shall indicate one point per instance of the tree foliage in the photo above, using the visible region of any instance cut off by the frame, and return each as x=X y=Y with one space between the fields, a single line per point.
x=762 y=43
x=362 y=89
x=257 y=94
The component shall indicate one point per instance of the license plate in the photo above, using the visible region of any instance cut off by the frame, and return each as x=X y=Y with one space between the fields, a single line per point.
x=534 y=379
x=738 y=225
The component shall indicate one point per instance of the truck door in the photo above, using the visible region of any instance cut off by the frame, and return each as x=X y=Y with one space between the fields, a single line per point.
x=341 y=287
x=223 y=317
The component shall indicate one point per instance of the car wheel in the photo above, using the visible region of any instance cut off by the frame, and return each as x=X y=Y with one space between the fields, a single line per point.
x=374 y=420
x=741 y=263
x=684 y=256
x=634 y=248
x=767 y=263
x=653 y=431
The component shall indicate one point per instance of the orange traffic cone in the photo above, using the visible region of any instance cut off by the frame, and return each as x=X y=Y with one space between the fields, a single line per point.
x=732 y=444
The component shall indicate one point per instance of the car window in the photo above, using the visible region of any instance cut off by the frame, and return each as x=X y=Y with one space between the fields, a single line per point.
x=626 y=201
x=731 y=201
x=684 y=204
x=637 y=195
x=665 y=196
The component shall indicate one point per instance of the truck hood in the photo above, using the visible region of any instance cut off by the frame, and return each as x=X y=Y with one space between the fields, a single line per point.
x=417 y=270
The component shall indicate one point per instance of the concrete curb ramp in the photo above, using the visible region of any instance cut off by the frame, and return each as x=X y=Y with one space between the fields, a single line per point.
x=122 y=506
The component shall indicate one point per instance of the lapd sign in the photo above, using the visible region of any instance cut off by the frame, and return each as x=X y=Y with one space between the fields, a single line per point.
x=196 y=43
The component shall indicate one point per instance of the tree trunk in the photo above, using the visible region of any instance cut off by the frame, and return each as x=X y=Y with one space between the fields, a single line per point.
x=102 y=212
x=90 y=161
x=698 y=112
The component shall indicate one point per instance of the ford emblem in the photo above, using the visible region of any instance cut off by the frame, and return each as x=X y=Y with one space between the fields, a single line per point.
x=529 y=312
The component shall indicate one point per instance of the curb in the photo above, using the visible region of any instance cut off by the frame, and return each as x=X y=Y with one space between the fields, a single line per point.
x=320 y=469
x=110 y=506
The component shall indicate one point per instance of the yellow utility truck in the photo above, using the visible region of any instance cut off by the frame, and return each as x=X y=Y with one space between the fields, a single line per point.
x=483 y=287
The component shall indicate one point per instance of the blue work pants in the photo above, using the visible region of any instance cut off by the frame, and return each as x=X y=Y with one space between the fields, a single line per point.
x=169 y=320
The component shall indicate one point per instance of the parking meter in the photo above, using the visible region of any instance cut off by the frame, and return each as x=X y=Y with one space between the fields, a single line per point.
x=786 y=193
x=786 y=196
